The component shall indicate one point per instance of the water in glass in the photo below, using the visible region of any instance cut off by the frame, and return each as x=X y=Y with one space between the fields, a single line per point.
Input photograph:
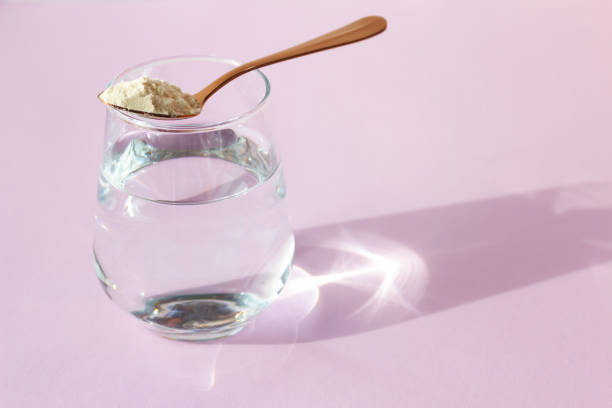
x=191 y=233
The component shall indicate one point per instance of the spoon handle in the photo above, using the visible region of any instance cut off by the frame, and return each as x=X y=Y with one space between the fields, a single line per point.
x=356 y=31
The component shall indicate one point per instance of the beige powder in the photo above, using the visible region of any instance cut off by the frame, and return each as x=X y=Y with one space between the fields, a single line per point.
x=152 y=96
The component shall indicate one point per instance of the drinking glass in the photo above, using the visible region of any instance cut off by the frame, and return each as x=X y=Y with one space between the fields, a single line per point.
x=192 y=235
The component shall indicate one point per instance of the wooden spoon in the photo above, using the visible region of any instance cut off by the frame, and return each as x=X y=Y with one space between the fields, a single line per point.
x=356 y=31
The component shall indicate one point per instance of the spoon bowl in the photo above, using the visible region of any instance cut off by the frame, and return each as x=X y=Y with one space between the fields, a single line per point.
x=158 y=116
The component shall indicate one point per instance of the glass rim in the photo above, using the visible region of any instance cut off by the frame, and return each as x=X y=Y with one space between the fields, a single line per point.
x=175 y=125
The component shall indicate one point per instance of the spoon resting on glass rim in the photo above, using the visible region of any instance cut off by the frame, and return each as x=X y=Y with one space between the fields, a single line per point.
x=158 y=99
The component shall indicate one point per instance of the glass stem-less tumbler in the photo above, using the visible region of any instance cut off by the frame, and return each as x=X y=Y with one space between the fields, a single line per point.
x=192 y=235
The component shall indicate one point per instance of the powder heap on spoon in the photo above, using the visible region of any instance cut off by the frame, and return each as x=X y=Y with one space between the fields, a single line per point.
x=146 y=95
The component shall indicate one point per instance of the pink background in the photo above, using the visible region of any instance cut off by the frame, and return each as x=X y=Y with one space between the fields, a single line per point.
x=449 y=183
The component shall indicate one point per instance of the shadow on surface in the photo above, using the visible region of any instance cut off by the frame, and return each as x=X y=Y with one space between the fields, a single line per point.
x=369 y=274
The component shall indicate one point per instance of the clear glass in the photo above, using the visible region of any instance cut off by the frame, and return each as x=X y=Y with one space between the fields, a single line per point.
x=192 y=235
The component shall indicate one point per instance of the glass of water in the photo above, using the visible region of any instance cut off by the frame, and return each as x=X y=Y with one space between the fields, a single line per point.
x=191 y=233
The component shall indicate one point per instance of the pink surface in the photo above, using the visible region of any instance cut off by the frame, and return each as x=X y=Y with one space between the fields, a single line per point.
x=449 y=183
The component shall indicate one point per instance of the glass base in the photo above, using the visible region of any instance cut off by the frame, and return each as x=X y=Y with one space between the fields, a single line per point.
x=196 y=335
x=200 y=317
x=195 y=316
